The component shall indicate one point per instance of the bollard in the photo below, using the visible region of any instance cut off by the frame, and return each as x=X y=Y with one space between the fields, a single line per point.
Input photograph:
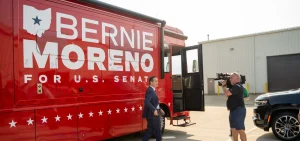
x=247 y=87
x=218 y=90
x=266 y=87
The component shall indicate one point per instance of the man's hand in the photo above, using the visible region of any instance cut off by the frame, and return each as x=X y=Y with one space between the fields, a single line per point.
x=246 y=98
x=223 y=83
x=299 y=116
x=162 y=112
x=226 y=92
x=155 y=112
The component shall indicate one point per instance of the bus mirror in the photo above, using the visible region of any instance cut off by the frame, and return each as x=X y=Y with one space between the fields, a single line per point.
x=195 y=66
x=168 y=67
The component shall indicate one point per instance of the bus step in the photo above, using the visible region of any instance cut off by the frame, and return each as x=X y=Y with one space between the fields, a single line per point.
x=184 y=118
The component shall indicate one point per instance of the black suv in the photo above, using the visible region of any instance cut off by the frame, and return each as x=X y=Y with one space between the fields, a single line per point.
x=280 y=111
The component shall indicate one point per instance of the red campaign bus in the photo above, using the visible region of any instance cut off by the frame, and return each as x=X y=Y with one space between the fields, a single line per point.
x=79 y=69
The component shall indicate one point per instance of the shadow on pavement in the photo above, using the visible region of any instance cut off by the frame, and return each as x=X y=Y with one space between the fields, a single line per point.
x=269 y=137
x=168 y=135
x=180 y=135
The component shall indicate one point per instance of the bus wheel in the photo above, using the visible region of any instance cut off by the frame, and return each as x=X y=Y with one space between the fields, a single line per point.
x=162 y=127
x=163 y=123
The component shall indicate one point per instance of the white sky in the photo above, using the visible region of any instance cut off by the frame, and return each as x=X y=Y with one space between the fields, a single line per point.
x=218 y=18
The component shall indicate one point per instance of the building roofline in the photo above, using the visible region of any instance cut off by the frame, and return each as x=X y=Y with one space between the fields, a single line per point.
x=249 y=35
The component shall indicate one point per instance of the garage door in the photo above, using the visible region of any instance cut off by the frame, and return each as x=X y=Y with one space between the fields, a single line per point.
x=283 y=72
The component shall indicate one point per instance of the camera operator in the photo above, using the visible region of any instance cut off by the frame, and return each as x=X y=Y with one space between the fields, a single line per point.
x=235 y=103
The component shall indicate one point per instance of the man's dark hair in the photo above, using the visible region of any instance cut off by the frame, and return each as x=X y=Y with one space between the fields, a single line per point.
x=151 y=79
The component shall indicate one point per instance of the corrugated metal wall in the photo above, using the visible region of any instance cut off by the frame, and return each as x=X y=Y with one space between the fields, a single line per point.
x=247 y=55
x=274 y=44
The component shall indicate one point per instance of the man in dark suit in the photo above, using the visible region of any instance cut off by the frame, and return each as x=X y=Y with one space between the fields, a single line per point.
x=152 y=111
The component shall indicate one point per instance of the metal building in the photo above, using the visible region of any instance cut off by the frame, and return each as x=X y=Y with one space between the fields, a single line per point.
x=270 y=60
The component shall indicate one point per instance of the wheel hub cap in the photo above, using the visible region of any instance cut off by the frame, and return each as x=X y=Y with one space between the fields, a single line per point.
x=287 y=127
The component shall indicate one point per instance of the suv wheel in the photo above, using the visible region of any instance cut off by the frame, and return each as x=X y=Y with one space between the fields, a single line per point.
x=285 y=126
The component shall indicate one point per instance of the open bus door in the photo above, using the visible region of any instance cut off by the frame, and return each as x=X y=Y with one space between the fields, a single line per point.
x=192 y=78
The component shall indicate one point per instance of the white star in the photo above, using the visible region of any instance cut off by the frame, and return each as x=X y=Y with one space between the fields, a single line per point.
x=30 y=121
x=57 y=118
x=44 y=120
x=109 y=111
x=141 y=107
x=80 y=115
x=169 y=104
x=132 y=109
x=125 y=109
x=91 y=114
x=12 y=123
x=118 y=110
x=100 y=113
x=69 y=117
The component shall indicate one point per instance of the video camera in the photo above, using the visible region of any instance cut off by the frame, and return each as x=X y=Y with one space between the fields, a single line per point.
x=226 y=76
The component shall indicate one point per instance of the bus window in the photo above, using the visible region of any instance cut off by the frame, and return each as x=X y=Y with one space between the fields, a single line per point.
x=176 y=65
x=192 y=60
x=176 y=60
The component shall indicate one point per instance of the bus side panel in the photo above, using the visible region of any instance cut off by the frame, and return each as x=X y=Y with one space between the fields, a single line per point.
x=93 y=122
x=6 y=55
x=17 y=126
x=56 y=124
x=126 y=117
x=13 y=125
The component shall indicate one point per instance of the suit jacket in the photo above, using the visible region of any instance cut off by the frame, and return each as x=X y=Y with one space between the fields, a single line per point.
x=150 y=103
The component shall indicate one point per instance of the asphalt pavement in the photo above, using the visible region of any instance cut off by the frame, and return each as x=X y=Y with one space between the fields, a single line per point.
x=211 y=125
